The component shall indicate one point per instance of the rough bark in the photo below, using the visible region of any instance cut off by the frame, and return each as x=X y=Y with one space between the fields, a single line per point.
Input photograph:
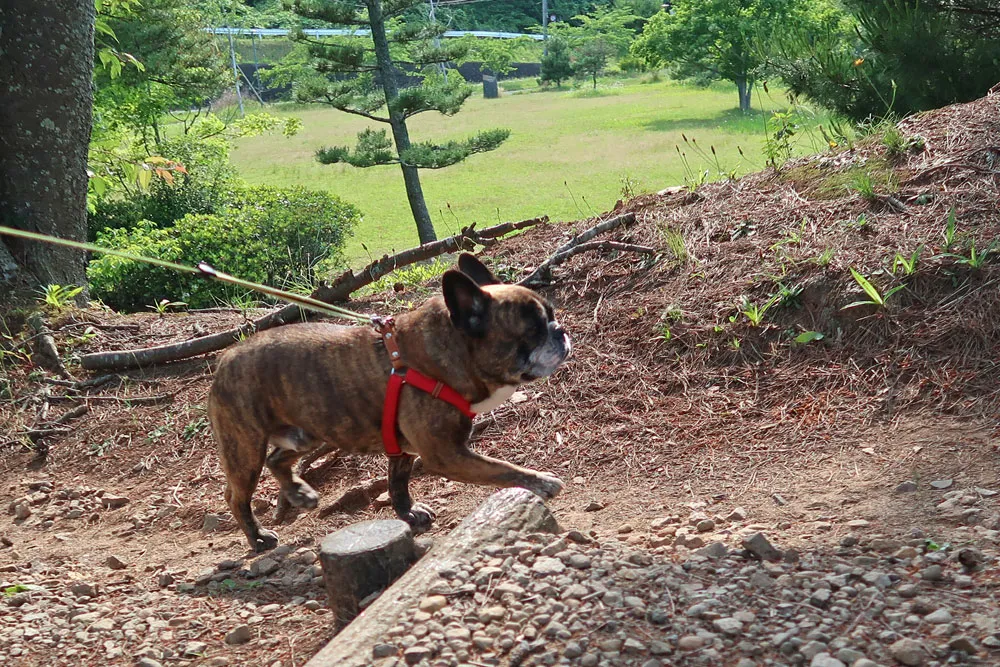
x=339 y=291
x=510 y=509
x=743 y=87
x=362 y=560
x=411 y=177
x=45 y=72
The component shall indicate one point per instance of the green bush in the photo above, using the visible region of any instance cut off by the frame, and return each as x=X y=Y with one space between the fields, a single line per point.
x=279 y=236
x=205 y=188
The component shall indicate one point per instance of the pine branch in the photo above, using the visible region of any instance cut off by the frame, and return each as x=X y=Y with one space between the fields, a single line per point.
x=426 y=155
x=374 y=148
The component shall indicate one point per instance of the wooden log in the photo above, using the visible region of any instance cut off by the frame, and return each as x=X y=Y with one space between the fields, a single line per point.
x=362 y=560
x=509 y=509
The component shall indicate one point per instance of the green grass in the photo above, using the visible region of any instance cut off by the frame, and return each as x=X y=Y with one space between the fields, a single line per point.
x=568 y=153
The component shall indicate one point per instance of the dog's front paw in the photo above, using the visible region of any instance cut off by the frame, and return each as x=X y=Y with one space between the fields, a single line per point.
x=265 y=541
x=302 y=495
x=420 y=517
x=545 y=485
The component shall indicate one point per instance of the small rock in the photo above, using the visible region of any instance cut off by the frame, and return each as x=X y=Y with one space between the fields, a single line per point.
x=690 y=642
x=148 y=662
x=194 y=649
x=380 y=651
x=932 y=573
x=433 y=603
x=963 y=644
x=263 y=567
x=593 y=506
x=705 y=526
x=728 y=626
x=909 y=652
x=545 y=566
x=906 y=487
x=970 y=558
x=210 y=523
x=239 y=635
x=942 y=483
x=939 y=617
x=22 y=511
x=825 y=660
x=83 y=590
x=759 y=546
x=715 y=551
x=738 y=514
x=579 y=561
x=165 y=579
x=625 y=529
x=858 y=523
x=114 y=502
x=415 y=654
x=633 y=646
x=115 y=563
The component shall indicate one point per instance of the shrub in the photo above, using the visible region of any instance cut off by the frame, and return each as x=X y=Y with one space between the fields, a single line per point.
x=205 y=188
x=283 y=237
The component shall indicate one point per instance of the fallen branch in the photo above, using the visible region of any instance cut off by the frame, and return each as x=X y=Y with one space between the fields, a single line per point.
x=579 y=243
x=54 y=427
x=131 y=400
x=341 y=290
x=46 y=352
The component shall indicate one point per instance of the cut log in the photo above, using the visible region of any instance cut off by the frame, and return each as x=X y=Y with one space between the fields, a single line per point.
x=362 y=560
x=510 y=509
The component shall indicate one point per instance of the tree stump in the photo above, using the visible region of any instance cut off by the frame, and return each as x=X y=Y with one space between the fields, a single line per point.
x=514 y=509
x=361 y=560
x=491 y=89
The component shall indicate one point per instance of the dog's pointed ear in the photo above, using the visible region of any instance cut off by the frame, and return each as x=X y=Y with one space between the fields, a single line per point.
x=467 y=303
x=472 y=267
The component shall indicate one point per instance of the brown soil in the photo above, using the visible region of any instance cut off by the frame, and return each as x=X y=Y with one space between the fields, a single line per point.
x=804 y=436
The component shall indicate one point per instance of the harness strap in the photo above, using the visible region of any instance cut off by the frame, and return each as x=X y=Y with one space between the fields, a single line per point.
x=390 y=409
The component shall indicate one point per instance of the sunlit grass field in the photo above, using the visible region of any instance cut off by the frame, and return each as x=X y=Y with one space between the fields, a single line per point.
x=570 y=154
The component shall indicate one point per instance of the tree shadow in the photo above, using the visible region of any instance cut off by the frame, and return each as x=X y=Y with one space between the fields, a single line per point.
x=730 y=119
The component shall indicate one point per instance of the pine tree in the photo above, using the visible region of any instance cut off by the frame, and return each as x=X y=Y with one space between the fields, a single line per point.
x=361 y=78
x=556 y=65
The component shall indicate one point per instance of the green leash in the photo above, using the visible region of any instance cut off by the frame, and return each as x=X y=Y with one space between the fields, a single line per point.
x=203 y=270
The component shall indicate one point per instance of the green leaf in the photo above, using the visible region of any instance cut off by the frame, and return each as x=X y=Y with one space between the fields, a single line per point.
x=869 y=289
x=808 y=337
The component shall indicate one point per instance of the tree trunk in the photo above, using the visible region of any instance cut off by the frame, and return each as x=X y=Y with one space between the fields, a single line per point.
x=46 y=72
x=414 y=193
x=743 y=86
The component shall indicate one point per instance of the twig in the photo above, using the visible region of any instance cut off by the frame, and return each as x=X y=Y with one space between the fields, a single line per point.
x=46 y=351
x=340 y=290
x=132 y=400
x=582 y=243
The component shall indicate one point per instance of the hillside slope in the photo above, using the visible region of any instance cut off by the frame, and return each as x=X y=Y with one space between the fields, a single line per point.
x=682 y=396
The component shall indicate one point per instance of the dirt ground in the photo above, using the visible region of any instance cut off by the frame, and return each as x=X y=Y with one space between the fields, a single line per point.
x=671 y=398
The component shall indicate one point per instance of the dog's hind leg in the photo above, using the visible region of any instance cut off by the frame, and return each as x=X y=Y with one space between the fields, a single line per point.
x=242 y=465
x=290 y=443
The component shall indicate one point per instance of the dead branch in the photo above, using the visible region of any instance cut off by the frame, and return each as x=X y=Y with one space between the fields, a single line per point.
x=131 y=400
x=341 y=290
x=46 y=352
x=579 y=243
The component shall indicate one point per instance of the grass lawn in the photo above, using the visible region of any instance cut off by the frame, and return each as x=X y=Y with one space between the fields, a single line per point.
x=567 y=157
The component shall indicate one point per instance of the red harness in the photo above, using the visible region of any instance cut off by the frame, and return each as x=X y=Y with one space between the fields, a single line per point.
x=401 y=375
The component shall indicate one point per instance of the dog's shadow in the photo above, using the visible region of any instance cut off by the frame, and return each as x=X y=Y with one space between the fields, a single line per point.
x=288 y=575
